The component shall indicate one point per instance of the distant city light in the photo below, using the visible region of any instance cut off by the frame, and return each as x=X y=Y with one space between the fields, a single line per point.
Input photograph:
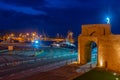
x=33 y=34
x=27 y=34
x=108 y=20
x=57 y=45
x=36 y=41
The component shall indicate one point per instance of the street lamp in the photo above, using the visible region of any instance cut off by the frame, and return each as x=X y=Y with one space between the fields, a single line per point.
x=108 y=20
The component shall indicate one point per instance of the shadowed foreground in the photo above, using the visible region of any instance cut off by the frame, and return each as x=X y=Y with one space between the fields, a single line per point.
x=98 y=74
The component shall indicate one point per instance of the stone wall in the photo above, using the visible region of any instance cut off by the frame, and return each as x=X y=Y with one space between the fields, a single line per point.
x=82 y=41
x=109 y=52
x=108 y=45
x=96 y=30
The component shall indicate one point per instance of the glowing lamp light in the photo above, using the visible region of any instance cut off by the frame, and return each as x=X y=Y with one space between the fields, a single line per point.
x=116 y=78
x=101 y=63
x=114 y=74
x=108 y=20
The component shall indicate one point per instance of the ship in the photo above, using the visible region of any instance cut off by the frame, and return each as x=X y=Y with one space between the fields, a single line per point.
x=65 y=44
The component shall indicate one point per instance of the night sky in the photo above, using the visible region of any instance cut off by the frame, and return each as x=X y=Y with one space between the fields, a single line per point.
x=57 y=16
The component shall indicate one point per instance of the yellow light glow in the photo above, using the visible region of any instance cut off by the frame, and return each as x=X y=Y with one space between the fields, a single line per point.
x=78 y=58
x=101 y=63
x=33 y=34
x=12 y=35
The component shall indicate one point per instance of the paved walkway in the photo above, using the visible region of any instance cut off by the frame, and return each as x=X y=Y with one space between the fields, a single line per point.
x=85 y=68
x=33 y=71
x=68 y=72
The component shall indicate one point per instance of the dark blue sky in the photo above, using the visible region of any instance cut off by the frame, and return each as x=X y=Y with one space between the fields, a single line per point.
x=57 y=16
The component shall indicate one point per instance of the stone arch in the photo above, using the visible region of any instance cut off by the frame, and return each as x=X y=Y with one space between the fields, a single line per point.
x=108 y=45
x=82 y=43
x=93 y=33
x=88 y=48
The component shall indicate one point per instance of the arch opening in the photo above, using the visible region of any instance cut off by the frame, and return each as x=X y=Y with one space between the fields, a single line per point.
x=91 y=52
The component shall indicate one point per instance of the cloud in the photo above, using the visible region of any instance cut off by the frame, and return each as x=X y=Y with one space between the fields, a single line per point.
x=26 y=10
x=62 y=3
